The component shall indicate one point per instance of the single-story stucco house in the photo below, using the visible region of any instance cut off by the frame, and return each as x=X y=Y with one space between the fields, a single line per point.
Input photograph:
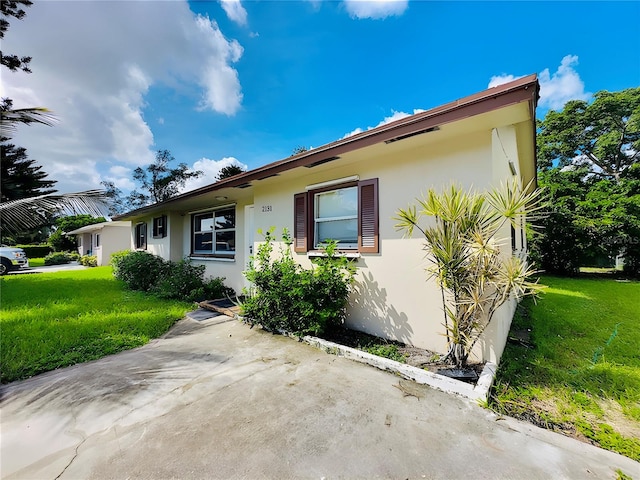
x=350 y=190
x=103 y=239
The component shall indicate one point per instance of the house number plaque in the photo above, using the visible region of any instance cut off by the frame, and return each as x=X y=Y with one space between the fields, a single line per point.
x=267 y=208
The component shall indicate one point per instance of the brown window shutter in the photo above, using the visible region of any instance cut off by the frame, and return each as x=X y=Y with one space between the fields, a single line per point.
x=368 y=241
x=300 y=223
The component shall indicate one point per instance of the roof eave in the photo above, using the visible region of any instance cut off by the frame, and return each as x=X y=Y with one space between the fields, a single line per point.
x=519 y=90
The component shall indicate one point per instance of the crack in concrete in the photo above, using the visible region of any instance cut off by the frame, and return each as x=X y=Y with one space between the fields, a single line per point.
x=75 y=454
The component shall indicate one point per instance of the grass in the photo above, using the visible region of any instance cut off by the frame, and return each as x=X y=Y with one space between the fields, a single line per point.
x=36 y=262
x=582 y=376
x=53 y=320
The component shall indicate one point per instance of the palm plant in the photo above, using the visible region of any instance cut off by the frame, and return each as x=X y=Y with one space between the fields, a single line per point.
x=10 y=118
x=28 y=213
x=475 y=276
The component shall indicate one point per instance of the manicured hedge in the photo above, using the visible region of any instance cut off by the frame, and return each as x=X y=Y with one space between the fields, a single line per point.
x=36 y=251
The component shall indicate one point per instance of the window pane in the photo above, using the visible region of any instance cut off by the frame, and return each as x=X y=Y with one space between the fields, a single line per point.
x=225 y=242
x=203 y=223
x=202 y=242
x=225 y=219
x=344 y=231
x=337 y=203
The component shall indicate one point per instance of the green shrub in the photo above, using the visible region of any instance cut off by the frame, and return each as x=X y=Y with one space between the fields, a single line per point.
x=138 y=270
x=297 y=300
x=184 y=281
x=89 y=260
x=36 y=251
x=57 y=258
x=172 y=280
x=74 y=256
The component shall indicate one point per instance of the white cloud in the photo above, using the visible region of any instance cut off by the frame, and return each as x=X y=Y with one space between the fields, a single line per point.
x=501 y=79
x=565 y=84
x=391 y=118
x=211 y=168
x=555 y=89
x=235 y=11
x=375 y=9
x=93 y=65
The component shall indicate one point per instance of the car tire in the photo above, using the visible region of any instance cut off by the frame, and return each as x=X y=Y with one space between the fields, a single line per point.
x=5 y=266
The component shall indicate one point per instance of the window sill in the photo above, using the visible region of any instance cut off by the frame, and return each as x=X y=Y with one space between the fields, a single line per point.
x=212 y=259
x=319 y=253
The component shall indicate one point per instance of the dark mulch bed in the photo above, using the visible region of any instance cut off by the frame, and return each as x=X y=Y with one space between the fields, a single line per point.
x=414 y=356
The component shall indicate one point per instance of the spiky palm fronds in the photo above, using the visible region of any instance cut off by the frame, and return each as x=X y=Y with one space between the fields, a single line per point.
x=28 y=213
x=463 y=249
x=11 y=118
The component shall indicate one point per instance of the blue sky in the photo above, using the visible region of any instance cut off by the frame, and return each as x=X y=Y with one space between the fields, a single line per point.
x=247 y=82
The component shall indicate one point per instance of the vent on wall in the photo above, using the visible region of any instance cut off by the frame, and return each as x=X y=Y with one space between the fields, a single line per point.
x=413 y=134
x=269 y=176
x=320 y=162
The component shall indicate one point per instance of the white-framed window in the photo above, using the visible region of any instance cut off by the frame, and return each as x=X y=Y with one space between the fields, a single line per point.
x=214 y=233
x=336 y=217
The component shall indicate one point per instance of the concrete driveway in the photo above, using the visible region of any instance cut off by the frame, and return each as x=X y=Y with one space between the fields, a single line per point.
x=215 y=399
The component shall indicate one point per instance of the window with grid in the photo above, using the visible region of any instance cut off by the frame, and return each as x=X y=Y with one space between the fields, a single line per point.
x=214 y=233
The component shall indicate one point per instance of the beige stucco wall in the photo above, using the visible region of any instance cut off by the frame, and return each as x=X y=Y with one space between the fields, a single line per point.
x=392 y=297
x=112 y=239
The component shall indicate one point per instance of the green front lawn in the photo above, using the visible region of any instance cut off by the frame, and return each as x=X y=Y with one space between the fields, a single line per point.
x=36 y=262
x=582 y=374
x=52 y=320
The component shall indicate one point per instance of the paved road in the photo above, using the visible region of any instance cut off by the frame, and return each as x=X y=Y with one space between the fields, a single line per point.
x=220 y=400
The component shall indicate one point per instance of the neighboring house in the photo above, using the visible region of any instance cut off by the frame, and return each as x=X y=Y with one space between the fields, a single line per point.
x=350 y=190
x=103 y=239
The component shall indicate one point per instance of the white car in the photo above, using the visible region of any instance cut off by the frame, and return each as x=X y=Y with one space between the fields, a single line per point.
x=12 y=258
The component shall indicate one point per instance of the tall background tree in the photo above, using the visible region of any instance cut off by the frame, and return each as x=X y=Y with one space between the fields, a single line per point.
x=21 y=177
x=229 y=171
x=157 y=182
x=13 y=8
x=589 y=155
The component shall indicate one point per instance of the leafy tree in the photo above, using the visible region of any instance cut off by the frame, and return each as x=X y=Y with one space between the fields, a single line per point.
x=13 y=8
x=603 y=135
x=589 y=219
x=62 y=243
x=589 y=155
x=229 y=171
x=116 y=202
x=466 y=261
x=19 y=177
x=299 y=149
x=158 y=181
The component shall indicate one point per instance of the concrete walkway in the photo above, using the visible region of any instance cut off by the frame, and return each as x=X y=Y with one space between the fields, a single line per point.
x=215 y=399
x=48 y=269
